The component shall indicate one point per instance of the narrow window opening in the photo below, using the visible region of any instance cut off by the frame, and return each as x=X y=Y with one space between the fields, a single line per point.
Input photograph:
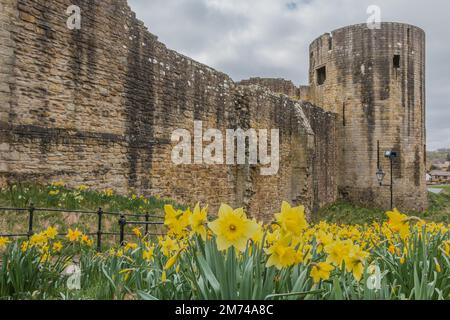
x=344 y=122
x=321 y=75
x=378 y=154
x=397 y=61
x=330 y=43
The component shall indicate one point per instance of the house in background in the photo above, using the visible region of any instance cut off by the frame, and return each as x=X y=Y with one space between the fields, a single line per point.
x=440 y=177
x=440 y=165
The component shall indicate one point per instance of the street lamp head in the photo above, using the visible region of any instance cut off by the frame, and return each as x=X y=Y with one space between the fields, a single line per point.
x=391 y=154
x=380 y=176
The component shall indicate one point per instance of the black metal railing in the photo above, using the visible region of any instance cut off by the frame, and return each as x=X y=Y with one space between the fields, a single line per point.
x=123 y=222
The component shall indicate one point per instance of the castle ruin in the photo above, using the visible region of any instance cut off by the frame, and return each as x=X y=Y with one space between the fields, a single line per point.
x=97 y=106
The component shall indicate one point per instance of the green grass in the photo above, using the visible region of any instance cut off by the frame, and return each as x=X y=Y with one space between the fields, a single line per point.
x=21 y=195
x=345 y=213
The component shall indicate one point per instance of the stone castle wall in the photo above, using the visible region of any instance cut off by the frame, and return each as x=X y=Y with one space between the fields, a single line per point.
x=283 y=86
x=97 y=106
x=375 y=82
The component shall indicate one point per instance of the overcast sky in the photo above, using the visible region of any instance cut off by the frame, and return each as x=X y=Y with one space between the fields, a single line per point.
x=270 y=38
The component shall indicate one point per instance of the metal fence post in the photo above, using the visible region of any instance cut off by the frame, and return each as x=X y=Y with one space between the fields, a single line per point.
x=30 y=219
x=99 y=230
x=122 y=223
x=147 y=219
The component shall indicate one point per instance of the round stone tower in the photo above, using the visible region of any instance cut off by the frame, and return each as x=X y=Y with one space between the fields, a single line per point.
x=374 y=79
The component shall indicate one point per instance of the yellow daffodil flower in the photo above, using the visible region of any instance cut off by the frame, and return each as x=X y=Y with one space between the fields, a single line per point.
x=292 y=220
x=3 y=242
x=399 y=223
x=355 y=261
x=137 y=232
x=198 y=221
x=321 y=271
x=282 y=254
x=57 y=246
x=147 y=254
x=168 y=246
x=73 y=235
x=51 y=232
x=232 y=228
x=338 y=251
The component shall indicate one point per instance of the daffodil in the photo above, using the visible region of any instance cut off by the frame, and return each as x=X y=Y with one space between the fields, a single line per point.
x=437 y=266
x=38 y=239
x=171 y=215
x=392 y=249
x=198 y=221
x=58 y=184
x=57 y=246
x=82 y=188
x=338 y=251
x=44 y=258
x=447 y=248
x=259 y=234
x=51 y=232
x=74 y=235
x=232 y=228
x=147 y=254
x=323 y=239
x=126 y=273
x=109 y=192
x=25 y=245
x=86 y=241
x=3 y=242
x=171 y=262
x=130 y=246
x=168 y=246
x=53 y=193
x=176 y=221
x=119 y=253
x=321 y=271
x=282 y=254
x=399 y=223
x=355 y=261
x=292 y=220
x=137 y=232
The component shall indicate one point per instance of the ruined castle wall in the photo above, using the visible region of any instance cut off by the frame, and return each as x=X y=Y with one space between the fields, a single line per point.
x=97 y=106
x=283 y=86
x=307 y=151
x=7 y=47
x=375 y=82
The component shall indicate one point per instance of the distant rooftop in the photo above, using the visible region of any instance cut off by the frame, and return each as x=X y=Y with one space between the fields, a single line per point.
x=440 y=173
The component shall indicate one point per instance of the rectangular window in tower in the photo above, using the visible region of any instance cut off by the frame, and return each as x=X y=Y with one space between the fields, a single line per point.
x=321 y=75
x=397 y=61
x=344 y=120
x=330 y=43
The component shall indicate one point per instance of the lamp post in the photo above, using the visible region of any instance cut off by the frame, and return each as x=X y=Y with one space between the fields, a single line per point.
x=380 y=174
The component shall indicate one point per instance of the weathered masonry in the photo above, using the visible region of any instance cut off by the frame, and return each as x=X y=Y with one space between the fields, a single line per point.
x=97 y=106
x=375 y=83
